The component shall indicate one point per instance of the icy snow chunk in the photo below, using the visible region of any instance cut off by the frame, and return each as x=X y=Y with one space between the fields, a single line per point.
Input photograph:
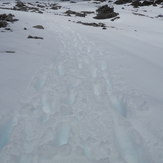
x=5 y=132
x=62 y=134
x=119 y=105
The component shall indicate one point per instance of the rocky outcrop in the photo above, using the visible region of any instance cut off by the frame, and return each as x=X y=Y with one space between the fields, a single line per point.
x=5 y=19
x=138 y=3
x=105 y=12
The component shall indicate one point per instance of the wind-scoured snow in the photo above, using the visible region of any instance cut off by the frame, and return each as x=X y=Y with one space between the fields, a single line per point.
x=82 y=94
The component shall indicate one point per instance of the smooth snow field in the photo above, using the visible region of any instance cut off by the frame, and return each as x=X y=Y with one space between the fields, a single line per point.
x=82 y=94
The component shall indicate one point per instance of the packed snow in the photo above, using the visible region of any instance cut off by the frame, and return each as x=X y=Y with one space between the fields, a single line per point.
x=82 y=94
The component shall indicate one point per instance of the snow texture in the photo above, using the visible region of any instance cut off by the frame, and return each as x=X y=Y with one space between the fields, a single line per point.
x=82 y=94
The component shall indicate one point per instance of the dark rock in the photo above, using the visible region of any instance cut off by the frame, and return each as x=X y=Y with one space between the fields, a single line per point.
x=93 y=24
x=55 y=6
x=136 y=4
x=159 y=1
x=9 y=17
x=40 y=12
x=38 y=27
x=8 y=29
x=87 y=12
x=25 y=28
x=159 y=16
x=120 y=2
x=147 y=3
x=106 y=16
x=70 y=12
x=30 y=3
x=3 y=24
x=34 y=37
x=80 y=14
x=41 y=6
x=101 y=0
x=105 y=12
x=6 y=3
x=115 y=18
x=20 y=6
x=4 y=19
x=72 y=2
x=138 y=14
x=105 y=9
x=10 y=51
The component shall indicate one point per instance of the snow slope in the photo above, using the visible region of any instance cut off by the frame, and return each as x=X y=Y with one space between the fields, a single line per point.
x=82 y=94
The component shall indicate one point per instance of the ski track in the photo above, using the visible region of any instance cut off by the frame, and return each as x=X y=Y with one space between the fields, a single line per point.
x=77 y=116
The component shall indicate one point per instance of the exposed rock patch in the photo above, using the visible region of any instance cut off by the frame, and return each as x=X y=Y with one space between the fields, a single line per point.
x=115 y=18
x=54 y=6
x=5 y=19
x=20 y=6
x=138 y=3
x=138 y=14
x=159 y=16
x=6 y=3
x=120 y=2
x=100 y=0
x=93 y=24
x=102 y=25
x=105 y=12
x=3 y=24
x=38 y=27
x=35 y=37
x=87 y=12
x=40 y=5
x=9 y=51
x=159 y=1
x=72 y=2
x=8 y=29
x=80 y=14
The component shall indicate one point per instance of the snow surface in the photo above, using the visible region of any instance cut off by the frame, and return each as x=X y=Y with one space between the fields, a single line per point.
x=82 y=94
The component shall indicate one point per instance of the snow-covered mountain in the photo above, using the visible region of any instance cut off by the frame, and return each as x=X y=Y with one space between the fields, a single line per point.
x=75 y=89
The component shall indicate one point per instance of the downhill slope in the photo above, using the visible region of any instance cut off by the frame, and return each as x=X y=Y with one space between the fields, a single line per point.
x=82 y=94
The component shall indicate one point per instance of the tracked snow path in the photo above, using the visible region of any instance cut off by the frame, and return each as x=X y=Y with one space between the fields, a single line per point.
x=72 y=113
